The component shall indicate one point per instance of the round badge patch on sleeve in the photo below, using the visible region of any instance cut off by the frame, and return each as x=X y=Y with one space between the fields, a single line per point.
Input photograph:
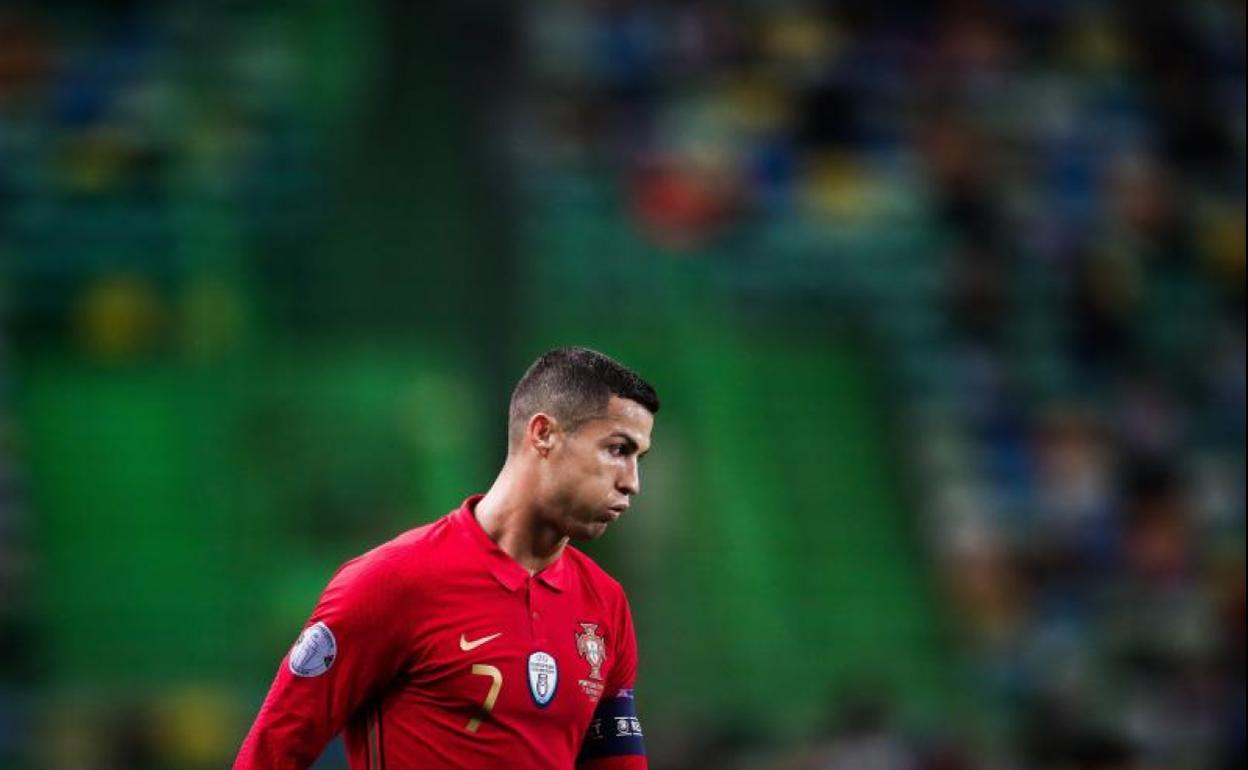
x=314 y=651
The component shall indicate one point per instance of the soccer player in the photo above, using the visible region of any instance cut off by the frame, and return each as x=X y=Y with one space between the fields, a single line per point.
x=483 y=640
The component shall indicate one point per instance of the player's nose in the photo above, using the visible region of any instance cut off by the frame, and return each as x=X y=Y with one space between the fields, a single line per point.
x=630 y=482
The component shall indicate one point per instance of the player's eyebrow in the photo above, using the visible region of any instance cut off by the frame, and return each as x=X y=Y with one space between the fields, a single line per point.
x=630 y=442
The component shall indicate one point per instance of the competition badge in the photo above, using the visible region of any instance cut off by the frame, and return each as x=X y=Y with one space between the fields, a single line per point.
x=314 y=651
x=543 y=678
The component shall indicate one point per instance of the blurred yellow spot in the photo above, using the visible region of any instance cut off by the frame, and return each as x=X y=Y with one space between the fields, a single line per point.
x=759 y=105
x=196 y=727
x=1225 y=244
x=1096 y=44
x=838 y=188
x=118 y=317
x=801 y=39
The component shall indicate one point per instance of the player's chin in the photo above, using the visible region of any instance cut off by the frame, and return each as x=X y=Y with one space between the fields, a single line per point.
x=590 y=530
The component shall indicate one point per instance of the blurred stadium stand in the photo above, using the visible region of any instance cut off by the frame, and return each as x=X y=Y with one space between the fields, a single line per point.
x=945 y=302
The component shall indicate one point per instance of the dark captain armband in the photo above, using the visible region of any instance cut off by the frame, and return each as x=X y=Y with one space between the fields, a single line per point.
x=614 y=730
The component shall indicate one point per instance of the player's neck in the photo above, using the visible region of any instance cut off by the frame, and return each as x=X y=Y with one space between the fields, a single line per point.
x=508 y=516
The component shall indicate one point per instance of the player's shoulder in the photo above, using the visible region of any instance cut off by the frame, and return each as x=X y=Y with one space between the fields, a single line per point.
x=418 y=540
x=404 y=559
x=590 y=573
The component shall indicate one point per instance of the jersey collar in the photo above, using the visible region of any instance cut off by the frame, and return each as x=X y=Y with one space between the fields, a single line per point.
x=505 y=569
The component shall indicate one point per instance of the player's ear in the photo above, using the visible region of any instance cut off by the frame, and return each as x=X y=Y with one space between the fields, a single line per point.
x=542 y=432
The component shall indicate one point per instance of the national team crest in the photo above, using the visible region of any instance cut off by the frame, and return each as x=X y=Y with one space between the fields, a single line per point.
x=543 y=678
x=593 y=648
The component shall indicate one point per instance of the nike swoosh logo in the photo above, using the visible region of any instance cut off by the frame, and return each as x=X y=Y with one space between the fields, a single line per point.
x=468 y=646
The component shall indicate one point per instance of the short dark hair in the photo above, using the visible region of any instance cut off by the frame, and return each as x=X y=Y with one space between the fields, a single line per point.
x=574 y=385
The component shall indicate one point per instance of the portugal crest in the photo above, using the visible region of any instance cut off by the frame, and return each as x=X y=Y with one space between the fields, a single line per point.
x=593 y=648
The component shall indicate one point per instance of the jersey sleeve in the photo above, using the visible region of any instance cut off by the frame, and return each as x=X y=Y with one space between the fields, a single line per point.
x=614 y=740
x=349 y=650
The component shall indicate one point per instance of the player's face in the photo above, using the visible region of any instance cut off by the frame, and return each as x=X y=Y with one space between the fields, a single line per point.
x=595 y=469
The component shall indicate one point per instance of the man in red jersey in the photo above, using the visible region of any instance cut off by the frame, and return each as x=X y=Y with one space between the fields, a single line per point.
x=483 y=640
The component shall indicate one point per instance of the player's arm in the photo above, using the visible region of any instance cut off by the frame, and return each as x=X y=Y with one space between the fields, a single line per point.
x=349 y=649
x=614 y=740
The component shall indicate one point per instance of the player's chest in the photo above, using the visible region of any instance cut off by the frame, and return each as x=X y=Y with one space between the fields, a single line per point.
x=532 y=655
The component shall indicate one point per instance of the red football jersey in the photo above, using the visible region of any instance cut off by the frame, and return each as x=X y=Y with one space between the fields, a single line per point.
x=438 y=651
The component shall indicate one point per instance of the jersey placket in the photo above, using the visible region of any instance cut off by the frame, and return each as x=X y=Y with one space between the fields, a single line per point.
x=535 y=606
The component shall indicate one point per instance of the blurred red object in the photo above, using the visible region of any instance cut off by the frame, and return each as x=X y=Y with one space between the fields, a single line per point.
x=679 y=205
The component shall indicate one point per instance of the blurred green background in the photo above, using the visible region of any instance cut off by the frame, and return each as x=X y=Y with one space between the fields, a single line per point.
x=944 y=304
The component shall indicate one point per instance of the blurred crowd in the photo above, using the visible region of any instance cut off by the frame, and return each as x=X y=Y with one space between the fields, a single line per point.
x=142 y=146
x=1074 y=404
x=143 y=150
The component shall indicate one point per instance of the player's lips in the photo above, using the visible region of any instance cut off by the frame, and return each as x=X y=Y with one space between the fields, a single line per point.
x=616 y=511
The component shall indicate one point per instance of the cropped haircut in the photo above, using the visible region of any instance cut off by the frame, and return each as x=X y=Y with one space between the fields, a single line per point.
x=573 y=385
